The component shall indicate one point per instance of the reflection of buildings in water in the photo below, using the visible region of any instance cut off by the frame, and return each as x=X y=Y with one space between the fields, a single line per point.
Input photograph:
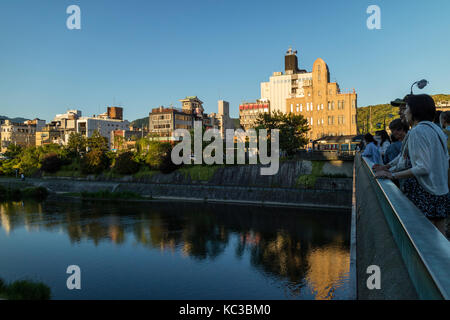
x=328 y=268
x=250 y=238
x=18 y=213
x=116 y=234
x=186 y=249
x=5 y=218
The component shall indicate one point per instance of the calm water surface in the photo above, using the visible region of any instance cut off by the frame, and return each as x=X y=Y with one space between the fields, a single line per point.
x=177 y=251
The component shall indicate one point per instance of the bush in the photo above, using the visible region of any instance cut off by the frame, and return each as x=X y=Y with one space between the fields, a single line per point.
x=125 y=164
x=159 y=156
x=38 y=193
x=51 y=162
x=25 y=290
x=94 y=162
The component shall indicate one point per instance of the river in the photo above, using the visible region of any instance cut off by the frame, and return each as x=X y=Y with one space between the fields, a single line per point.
x=157 y=250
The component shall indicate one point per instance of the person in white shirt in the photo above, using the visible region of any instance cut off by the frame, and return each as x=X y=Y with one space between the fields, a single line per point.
x=423 y=162
x=372 y=152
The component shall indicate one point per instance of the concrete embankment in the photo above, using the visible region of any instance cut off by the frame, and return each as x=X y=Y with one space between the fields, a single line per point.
x=230 y=184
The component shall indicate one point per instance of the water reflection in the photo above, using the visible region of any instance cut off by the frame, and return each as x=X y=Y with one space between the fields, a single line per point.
x=306 y=255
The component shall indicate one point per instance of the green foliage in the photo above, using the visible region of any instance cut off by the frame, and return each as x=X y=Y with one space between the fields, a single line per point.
x=76 y=143
x=158 y=156
x=36 y=193
x=144 y=172
x=51 y=162
x=293 y=129
x=309 y=180
x=106 y=194
x=13 y=151
x=199 y=172
x=94 y=162
x=368 y=117
x=97 y=142
x=125 y=163
x=140 y=123
x=25 y=290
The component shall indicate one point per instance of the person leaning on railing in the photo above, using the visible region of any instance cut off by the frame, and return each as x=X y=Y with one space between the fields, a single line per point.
x=399 y=130
x=423 y=162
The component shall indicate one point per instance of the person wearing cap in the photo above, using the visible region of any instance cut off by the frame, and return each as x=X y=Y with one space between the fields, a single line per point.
x=401 y=103
x=424 y=169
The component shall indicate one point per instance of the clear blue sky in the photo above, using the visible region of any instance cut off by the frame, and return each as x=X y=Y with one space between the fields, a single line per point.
x=143 y=53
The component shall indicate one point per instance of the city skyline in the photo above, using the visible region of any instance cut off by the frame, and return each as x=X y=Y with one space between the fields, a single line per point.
x=145 y=55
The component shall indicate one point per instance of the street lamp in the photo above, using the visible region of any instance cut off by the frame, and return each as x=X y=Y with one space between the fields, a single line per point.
x=420 y=84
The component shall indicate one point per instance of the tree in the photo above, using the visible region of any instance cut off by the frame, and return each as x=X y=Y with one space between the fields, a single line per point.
x=13 y=151
x=51 y=162
x=293 y=129
x=97 y=142
x=94 y=162
x=125 y=163
x=76 y=143
x=158 y=155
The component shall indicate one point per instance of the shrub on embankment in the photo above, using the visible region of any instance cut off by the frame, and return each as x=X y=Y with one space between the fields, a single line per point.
x=36 y=193
x=110 y=195
x=24 y=290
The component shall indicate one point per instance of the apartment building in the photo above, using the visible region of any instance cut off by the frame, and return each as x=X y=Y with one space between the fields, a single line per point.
x=250 y=111
x=21 y=134
x=289 y=84
x=164 y=121
x=329 y=111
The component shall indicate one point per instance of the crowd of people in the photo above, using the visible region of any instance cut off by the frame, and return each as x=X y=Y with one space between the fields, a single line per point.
x=416 y=155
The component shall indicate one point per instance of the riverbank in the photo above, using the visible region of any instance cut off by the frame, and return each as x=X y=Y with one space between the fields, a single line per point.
x=271 y=196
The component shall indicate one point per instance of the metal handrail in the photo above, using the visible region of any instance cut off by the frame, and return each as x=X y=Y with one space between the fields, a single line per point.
x=424 y=249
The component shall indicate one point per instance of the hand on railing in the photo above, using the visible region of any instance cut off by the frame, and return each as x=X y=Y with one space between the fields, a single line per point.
x=380 y=167
x=383 y=174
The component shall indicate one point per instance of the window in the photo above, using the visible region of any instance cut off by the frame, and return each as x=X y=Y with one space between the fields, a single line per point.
x=292 y=107
x=301 y=107
x=342 y=104
x=330 y=119
x=354 y=103
x=297 y=107
x=329 y=105
x=321 y=106
x=318 y=107
x=354 y=119
x=332 y=105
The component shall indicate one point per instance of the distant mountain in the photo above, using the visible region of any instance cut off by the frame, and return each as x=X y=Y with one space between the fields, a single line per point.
x=383 y=114
x=139 y=123
x=17 y=120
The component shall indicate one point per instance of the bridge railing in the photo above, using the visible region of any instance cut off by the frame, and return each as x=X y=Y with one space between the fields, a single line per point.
x=424 y=250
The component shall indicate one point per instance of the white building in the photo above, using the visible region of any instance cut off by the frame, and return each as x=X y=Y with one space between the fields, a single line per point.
x=87 y=125
x=288 y=85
